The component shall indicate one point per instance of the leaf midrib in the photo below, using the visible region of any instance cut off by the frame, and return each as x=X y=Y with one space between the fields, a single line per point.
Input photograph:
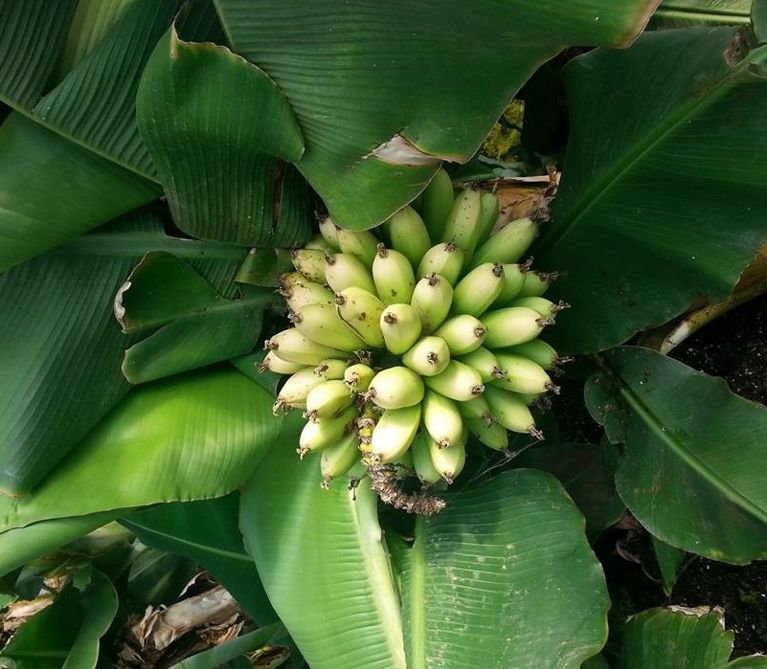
x=663 y=433
x=138 y=243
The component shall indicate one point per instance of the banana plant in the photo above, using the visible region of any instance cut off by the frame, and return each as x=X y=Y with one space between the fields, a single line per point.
x=401 y=500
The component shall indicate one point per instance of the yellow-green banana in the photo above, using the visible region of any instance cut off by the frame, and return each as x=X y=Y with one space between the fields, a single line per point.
x=546 y=308
x=463 y=334
x=508 y=244
x=321 y=323
x=436 y=203
x=359 y=243
x=361 y=311
x=513 y=280
x=327 y=399
x=339 y=458
x=329 y=232
x=458 y=382
x=358 y=377
x=538 y=351
x=394 y=432
x=449 y=462
x=310 y=263
x=298 y=291
x=343 y=270
x=296 y=388
x=536 y=284
x=462 y=226
x=491 y=433
x=511 y=326
x=522 y=375
x=484 y=361
x=429 y=356
x=331 y=368
x=476 y=291
x=401 y=327
x=422 y=464
x=408 y=234
x=393 y=276
x=510 y=411
x=318 y=243
x=442 y=419
x=325 y=432
x=290 y=345
x=273 y=363
x=396 y=388
x=490 y=212
x=445 y=259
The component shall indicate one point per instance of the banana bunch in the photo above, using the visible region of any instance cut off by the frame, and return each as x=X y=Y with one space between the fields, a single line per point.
x=403 y=349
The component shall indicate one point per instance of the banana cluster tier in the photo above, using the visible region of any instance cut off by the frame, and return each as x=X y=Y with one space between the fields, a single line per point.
x=405 y=346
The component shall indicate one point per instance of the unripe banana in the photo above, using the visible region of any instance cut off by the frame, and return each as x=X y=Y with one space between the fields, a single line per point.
x=320 y=322
x=393 y=276
x=513 y=280
x=337 y=459
x=449 y=462
x=546 y=308
x=296 y=388
x=484 y=361
x=394 y=432
x=422 y=464
x=463 y=334
x=318 y=243
x=358 y=377
x=442 y=419
x=538 y=351
x=329 y=232
x=299 y=291
x=522 y=375
x=444 y=259
x=510 y=411
x=458 y=382
x=405 y=461
x=396 y=388
x=436 y=203
x=290 y=345
x=401 y=327
x=408 y=234
x=432 y=298
x=273 y=363
x=478 y=289
x=511 y=326
x=331 y=369
x=310 y=263
x=490 y=433
x=508 y=244
x=537 y=283
x=325 y=432
x=361 y=311
x=343 y=270
x=462 y=226
x=359 y=243
x=490 y=211
x=475 y=408
x=327 y=399
x=428 y=357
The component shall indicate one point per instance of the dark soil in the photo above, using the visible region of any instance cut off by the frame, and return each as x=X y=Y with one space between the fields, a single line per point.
x=735 y=348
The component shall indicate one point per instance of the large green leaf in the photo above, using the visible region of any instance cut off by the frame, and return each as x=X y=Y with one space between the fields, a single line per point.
x=322 y=560
x=382 y=93
x=194 y=437
x=694 y=467
x=207 y=532
x=664 y=183
x=679 y=638
x=198 y=136
x=485 y=574
x=686 y=13
x=66 y=634
x=62 y=349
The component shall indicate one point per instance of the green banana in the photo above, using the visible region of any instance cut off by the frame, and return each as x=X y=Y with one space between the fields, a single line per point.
x=394 y=433
x=408 y=234
x=538 y=351
x=318 y=243
x=484 y=361
x=401 y=327
x=324 y=432
x=490 y=211
x=361 y=311
x=298 y=291
x=436 y=203
x=359 y=243
x=508 y=244
x=396 y=388
x=458 y=382
x=474 y=408
x=290 y=345
x=445 y=259
x=511 y=326
x=432 y=298
x=463 y=334
x=329 y=233
x=442 y=419
x=537 y=283
x=393 y=276
x=331 y=369
x=449 y=462
x=358 y=377
x=320 y=322
x=462 y=226
x=476 y=291
x=337 y=459
x=546 y=308
x=522 y=375
x=343 y=270
x=310 y=263
x=429 y=356
x=328 y=399
x=491 y=433
x=296 y=388
x=424 y=468
x=513 y=280
x=510 y=411
x=273 y=363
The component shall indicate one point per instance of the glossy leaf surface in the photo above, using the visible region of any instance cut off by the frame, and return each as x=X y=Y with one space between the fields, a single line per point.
x=686 y=13
x=693 y=470
x=672 y=195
